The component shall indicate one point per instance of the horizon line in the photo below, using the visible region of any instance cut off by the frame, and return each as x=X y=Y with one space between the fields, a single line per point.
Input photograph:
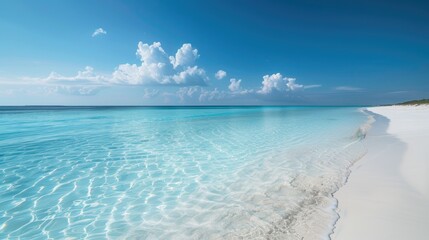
x=228 y=105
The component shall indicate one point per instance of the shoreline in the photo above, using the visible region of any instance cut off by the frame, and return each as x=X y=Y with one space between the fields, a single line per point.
x=386 y=195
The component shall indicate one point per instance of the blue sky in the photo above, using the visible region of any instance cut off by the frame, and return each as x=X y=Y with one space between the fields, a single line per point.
x=168 y=52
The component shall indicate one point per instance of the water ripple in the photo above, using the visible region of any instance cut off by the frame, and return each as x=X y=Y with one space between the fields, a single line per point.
x=212 y=173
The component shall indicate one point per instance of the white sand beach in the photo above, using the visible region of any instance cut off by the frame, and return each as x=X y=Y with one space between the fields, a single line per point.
x=387 y=193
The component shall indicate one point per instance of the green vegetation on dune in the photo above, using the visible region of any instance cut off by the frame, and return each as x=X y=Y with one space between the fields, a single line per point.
x=415 y=102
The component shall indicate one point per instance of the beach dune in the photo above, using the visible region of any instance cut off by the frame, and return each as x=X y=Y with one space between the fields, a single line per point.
x=387 y=193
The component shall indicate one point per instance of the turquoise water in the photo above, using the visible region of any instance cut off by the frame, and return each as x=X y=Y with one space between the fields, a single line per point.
x=174 y=173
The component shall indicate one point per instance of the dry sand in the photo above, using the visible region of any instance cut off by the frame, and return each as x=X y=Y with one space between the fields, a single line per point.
x=387 y=193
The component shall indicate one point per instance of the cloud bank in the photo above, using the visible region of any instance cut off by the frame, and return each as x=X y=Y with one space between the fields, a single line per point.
x=156 y=67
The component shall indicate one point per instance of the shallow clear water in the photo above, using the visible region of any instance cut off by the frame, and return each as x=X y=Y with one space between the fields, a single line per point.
x=173 y=173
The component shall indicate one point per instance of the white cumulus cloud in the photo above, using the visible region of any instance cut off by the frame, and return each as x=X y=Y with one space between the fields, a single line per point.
x=191 y=76
x=185 y=56
x=234 y=85
x=292 y=85
x=220 y=74
x=99 y=31
x=271 y=82
x=278 y=82
x=154 y=68
x=157 y=68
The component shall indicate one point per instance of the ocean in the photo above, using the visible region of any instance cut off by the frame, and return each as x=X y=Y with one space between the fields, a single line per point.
x=175 y=172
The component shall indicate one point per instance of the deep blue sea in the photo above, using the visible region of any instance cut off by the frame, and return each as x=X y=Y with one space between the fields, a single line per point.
x=174 y=172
